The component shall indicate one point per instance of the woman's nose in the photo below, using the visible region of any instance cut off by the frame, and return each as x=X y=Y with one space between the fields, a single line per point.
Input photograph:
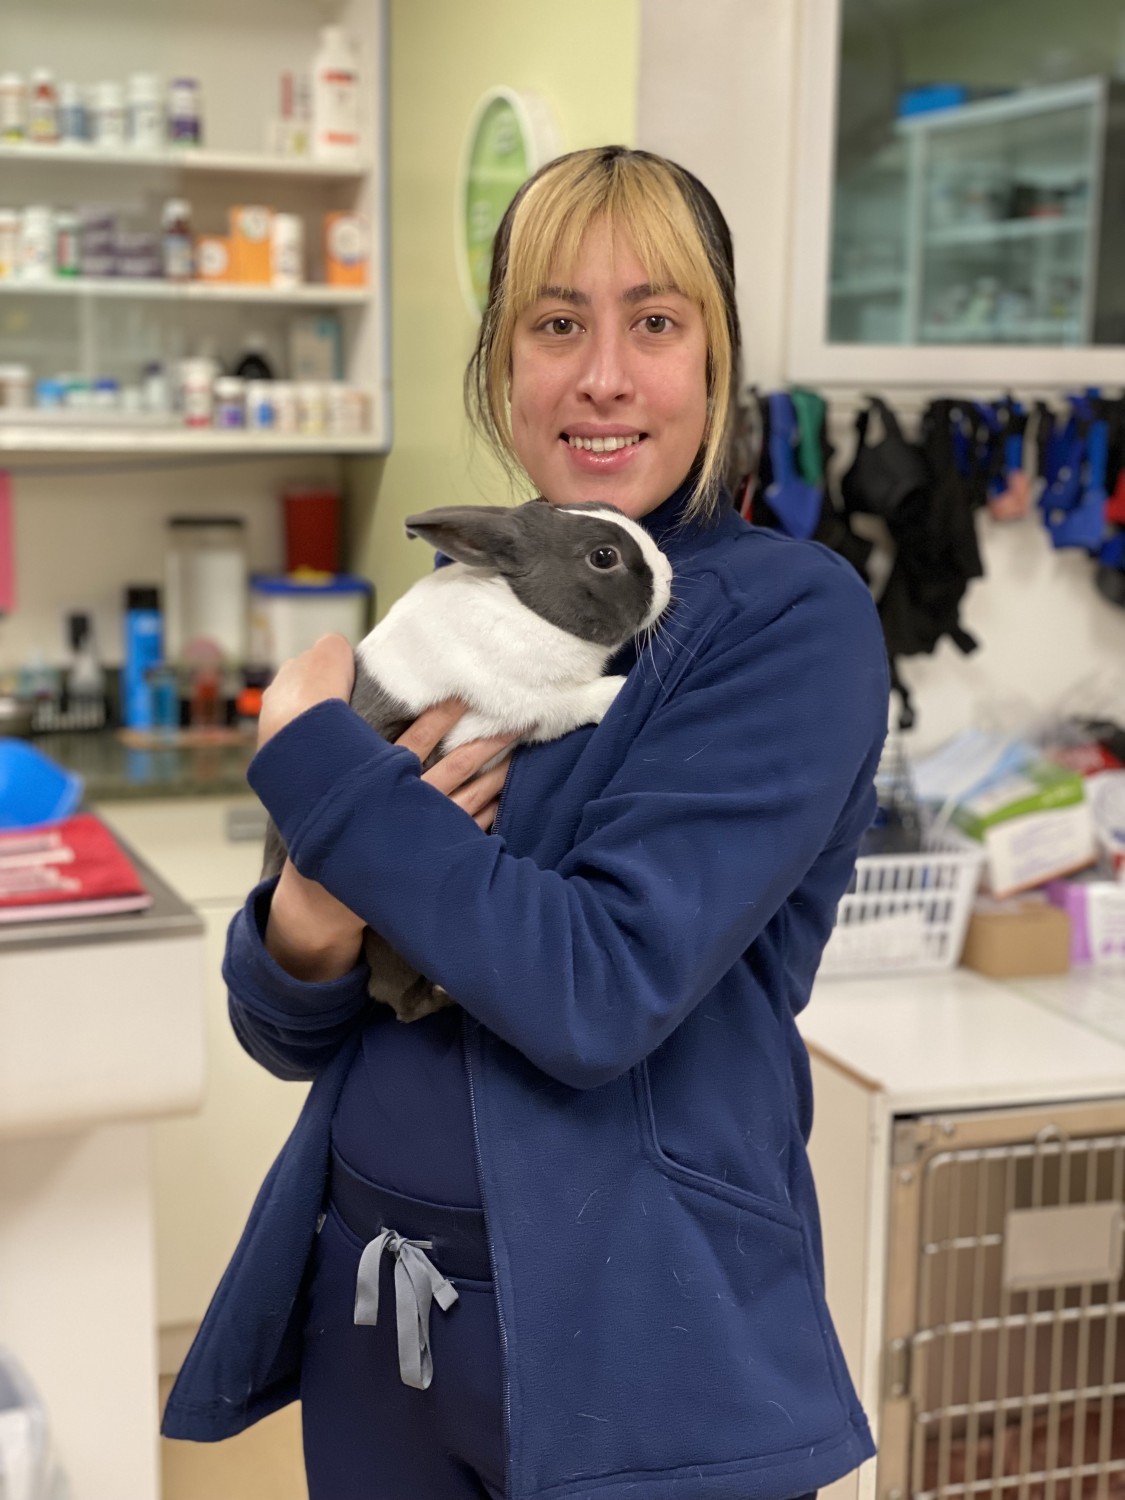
x=604 y=374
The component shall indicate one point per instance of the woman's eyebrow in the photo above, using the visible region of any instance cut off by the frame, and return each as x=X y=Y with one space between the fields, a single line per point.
x=638 y=293
x=647 y=289
x=563 y=294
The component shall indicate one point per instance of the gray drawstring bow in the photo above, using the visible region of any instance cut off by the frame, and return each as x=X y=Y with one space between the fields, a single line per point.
x=417 y=1283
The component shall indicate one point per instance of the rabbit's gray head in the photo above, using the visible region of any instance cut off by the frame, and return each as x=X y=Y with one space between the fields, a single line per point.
x=586 y=568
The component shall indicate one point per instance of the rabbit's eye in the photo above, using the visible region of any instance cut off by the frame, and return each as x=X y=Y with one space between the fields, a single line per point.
x=604 y=558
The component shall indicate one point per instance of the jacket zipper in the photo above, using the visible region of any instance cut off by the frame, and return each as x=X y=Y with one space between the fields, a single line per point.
x=507 y=1430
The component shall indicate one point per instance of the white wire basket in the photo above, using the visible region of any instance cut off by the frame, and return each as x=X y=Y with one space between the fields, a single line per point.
x=904 y=913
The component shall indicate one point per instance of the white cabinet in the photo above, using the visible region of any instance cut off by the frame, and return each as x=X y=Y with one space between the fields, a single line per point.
x=95 y=327
x=950 y=1112
x=101 y=1034
x=207 y=1166
x=993 y=222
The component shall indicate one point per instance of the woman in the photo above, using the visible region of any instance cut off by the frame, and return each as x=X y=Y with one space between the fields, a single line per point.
x=603 y=1146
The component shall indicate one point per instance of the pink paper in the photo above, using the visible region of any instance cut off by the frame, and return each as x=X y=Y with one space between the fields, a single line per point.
x=7 y=555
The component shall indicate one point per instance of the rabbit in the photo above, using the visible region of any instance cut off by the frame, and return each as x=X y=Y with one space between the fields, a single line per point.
x=520 y=625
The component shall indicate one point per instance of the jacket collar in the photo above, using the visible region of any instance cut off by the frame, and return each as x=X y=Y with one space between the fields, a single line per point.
x=679 y=538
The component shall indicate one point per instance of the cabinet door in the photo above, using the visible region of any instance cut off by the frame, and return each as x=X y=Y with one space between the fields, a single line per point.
x=209 y=1166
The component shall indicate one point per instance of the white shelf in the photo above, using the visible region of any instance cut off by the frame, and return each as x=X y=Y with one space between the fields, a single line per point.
x=1031 y=331
x=136 y=288
x=870 y=284
x=187 y=159
x=185 y=441
x=1020 y=104
x=1007 y=229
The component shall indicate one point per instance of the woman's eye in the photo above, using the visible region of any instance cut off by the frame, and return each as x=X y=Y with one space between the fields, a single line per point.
x=560 y=325
x=604 y=558
x=657 y=323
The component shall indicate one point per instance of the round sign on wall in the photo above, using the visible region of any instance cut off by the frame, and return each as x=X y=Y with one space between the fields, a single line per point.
x=510 y=136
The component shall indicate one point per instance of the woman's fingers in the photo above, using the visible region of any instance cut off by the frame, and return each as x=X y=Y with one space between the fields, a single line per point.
x=431 y=726
x=325 y=670
x=487 y=816
x=460 y=774
x=482 y=789
x=461 y=765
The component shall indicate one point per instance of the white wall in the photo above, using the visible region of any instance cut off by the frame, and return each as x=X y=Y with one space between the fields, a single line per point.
x=81 y=533
x=717 y=92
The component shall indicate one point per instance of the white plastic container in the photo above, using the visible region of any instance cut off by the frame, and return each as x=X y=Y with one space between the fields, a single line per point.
x=37 y=243
x=146 y=128
x=43 y=108
x=288 y=614
x=108 y=123
x=260 y=406
x=205 y=585
x=15 y=395
x=13 y=108
x=197 y=395
x=335 y=97
x=10 y=237
x=284 y=406
x=312 y=408
x=287 y=250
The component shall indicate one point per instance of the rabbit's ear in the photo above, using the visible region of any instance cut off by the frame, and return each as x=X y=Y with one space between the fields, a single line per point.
x=480 y=535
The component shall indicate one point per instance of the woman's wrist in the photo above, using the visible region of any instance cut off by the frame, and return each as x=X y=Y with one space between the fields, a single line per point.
x=310 y=934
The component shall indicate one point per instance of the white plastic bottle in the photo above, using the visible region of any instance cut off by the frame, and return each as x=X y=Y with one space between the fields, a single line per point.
x=335 y=97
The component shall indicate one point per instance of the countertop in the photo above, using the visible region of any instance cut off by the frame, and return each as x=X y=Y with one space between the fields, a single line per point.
x=114 y=771
x=168 y=916
x=958 y=1040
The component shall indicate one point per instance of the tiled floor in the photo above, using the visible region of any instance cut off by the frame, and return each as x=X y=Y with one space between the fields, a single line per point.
x=263 y=1463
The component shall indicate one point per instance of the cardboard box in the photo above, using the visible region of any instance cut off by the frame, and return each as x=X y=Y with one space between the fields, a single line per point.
x=212 y=257
x=1035 y=825
x=314 y=347
x=250 y=233
x=1017 y=938
x=347 y=251
x=1096 y=910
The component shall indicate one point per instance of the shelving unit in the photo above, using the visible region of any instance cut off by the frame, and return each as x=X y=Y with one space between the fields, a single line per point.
x=117 y=437
x=998 y=221
x=187 y=159
x=136 y=289
x=113 y=326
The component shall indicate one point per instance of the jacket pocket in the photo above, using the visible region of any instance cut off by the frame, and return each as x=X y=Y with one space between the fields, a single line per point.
x=667 y=1166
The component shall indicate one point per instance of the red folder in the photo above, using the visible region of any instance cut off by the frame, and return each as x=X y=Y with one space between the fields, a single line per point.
x=70 y=869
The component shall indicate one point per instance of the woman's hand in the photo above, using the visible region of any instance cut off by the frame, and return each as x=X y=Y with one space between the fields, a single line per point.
x=326 y=670
x=456 y=774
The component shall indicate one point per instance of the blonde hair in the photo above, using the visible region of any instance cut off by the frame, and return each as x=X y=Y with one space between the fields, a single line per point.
x=679 y=236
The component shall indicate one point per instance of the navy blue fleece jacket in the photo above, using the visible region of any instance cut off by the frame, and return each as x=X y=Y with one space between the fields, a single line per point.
x=630 y=947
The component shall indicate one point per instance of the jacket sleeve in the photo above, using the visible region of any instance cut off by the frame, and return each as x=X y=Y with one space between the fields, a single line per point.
x=759 y=759
x=291 y=1026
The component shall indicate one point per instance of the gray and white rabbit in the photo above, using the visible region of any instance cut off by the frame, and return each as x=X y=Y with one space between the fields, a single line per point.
x=520 y=626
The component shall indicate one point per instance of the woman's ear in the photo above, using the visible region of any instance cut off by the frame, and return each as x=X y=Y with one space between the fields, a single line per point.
x=482 y=536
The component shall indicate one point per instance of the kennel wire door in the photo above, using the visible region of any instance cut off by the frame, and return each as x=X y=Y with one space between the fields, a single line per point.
x=1004 y=1370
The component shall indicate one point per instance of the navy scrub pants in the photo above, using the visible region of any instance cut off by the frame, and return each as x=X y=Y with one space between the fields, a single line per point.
x=367 y=1434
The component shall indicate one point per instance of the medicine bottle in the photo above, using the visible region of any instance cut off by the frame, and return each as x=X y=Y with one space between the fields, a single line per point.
x=175 y=224
x=43 y=108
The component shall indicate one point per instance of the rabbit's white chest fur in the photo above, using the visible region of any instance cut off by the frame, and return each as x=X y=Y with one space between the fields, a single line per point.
x=462 y=633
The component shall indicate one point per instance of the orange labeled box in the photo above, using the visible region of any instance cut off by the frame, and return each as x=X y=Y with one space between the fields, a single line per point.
x=346 y=249
x=212 y=257
x=250 y=228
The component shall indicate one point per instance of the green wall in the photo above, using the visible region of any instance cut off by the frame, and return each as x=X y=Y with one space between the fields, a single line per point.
x=581 y=57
